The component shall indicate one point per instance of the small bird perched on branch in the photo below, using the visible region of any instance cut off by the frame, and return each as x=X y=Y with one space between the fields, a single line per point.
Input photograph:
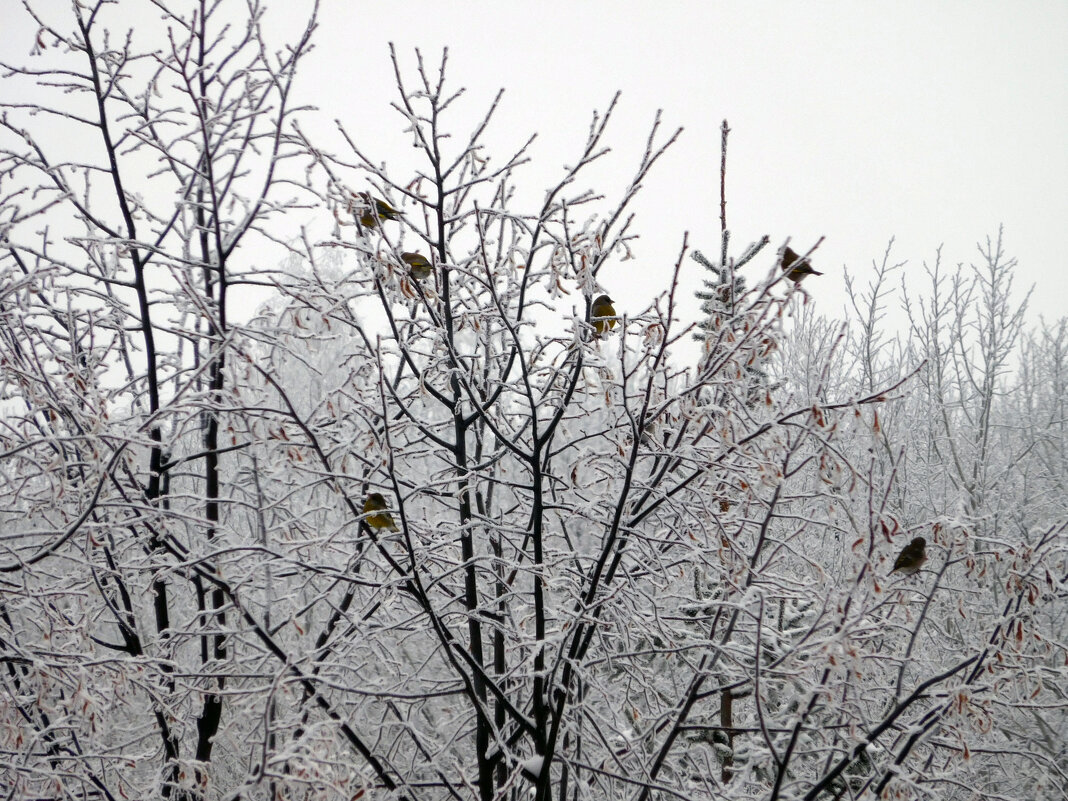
x=376 y=502
x=911 y=558
x=796 y=270
x=374 y=209
x=418 y=265
x=602 y=314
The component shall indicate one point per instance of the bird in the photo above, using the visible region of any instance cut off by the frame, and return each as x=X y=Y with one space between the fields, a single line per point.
x=912 y=557
x=602 y=314
x=376 y=502
x=800 y=271
x=418 y=265
x=374 y=209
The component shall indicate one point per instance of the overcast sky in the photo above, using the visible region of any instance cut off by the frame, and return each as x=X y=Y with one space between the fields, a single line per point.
x=931 y=122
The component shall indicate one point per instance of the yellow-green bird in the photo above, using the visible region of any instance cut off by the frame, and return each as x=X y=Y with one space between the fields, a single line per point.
x=911 y=558
x=374 y=209
x=418 y=265
x=796 y=271
x=602 y=314
x=376 y=502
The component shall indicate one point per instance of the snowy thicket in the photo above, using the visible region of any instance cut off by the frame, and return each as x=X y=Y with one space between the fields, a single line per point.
x=600 y=572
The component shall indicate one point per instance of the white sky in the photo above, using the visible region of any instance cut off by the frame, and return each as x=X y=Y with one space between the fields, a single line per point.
x=932 y=122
